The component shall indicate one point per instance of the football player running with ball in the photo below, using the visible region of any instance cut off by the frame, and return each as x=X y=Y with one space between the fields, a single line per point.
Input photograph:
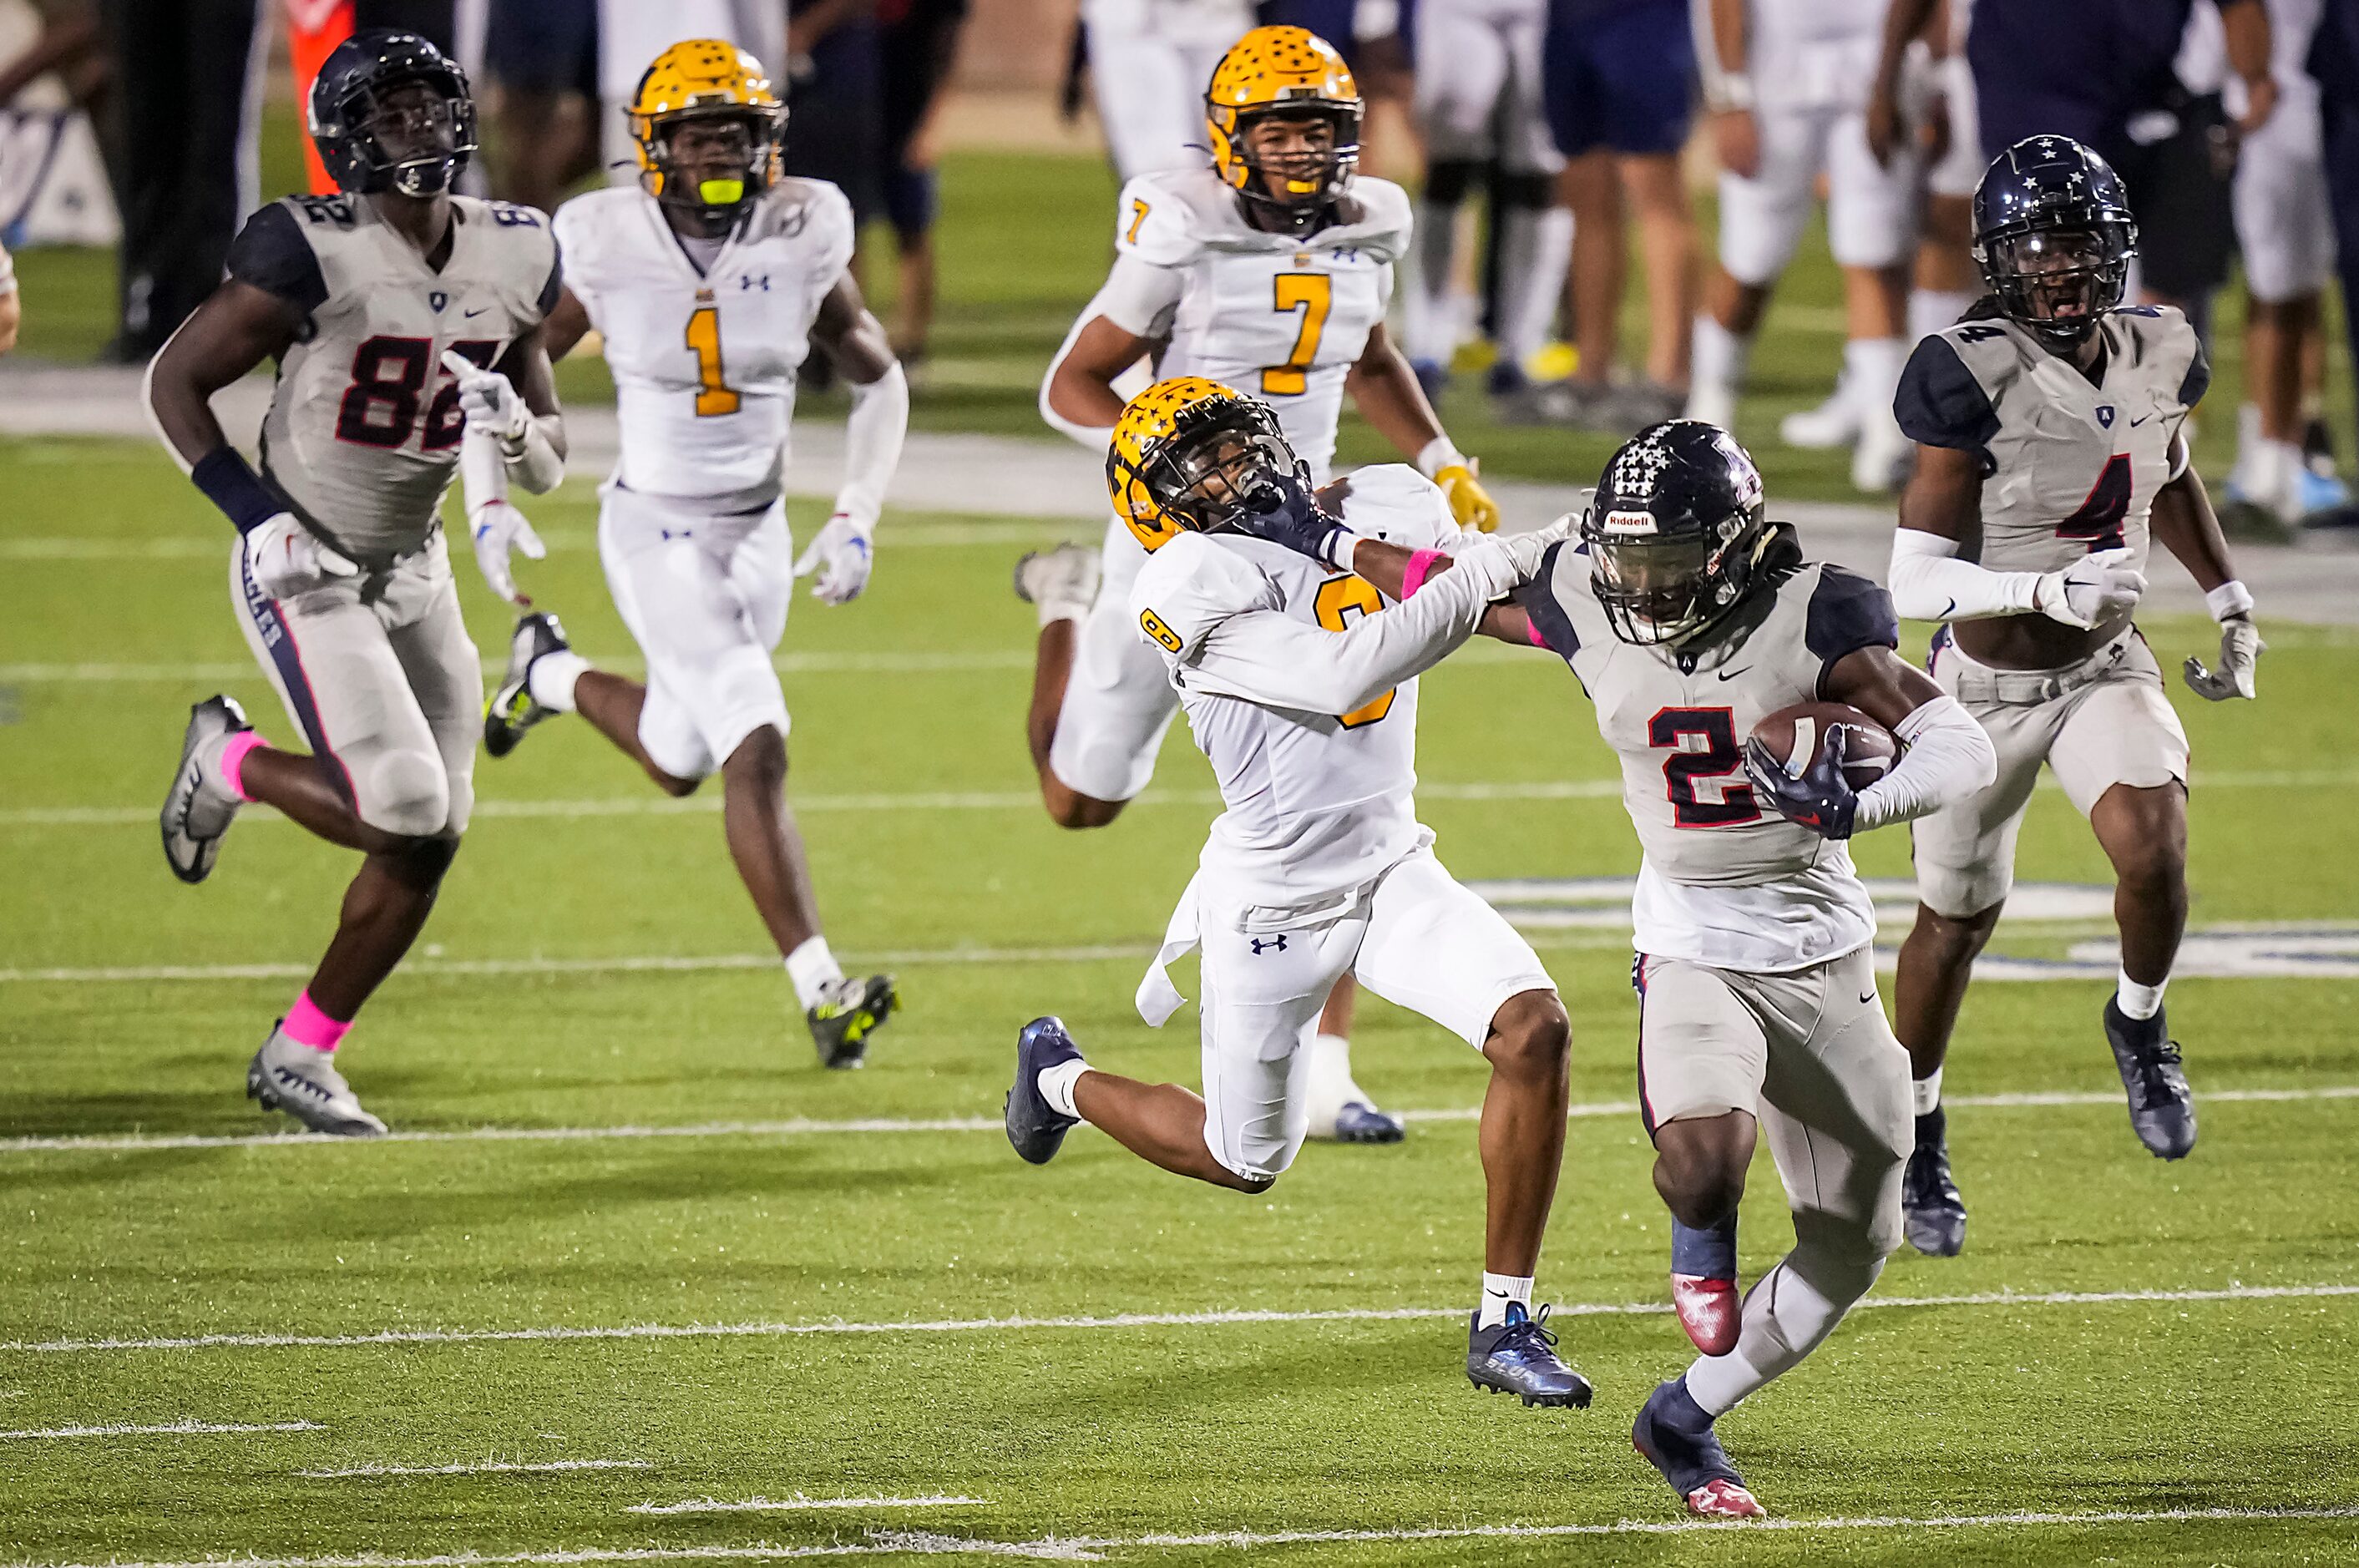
x=340 y=576
x=711 y=282
x=1689 y=620
x=1269 y=270
x=1304 y=699
x=2050 y=454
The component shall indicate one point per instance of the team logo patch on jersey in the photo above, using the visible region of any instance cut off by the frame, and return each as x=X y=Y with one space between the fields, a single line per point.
x=1152 y=624
x=437 y=299
x=1630 y=523
x=2106 y=416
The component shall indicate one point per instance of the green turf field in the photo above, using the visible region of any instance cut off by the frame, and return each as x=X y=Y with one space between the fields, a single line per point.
x=722 y=1275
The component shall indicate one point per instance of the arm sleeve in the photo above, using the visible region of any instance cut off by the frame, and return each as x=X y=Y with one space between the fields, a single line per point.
x=1948 y=760
x=1931 y=583
x=1846 y=613
x=273 y=255
x=872 y=443
x=1939 y=401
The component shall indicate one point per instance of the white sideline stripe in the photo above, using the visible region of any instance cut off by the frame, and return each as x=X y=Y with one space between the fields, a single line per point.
x=1111 y=1321
x=173 y=1428
x=797 y=1505
x=195 y=547
x=1089 y=1548
x=804 y=1127
x=643 y=964
x=895 y=662
x=651 y=805
x=478 y=1467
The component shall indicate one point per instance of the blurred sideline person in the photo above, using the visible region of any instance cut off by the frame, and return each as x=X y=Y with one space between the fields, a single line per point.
x=710 y=285
x=1148 y=61
x=1267 y=267
x=920 y=46
x=2333 y=64
x=2051 y=455
x=339 y=575
x=835 y=91
x=1317 y=865
x=12 y=302
x=1788 y=83
x=542 y=55
x=632 y=32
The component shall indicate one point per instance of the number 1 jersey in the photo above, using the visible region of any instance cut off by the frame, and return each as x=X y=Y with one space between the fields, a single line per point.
x=362 y=432
x=704 y=361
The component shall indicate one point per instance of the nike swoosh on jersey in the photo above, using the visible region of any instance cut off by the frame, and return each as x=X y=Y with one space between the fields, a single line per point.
x=1732 y=674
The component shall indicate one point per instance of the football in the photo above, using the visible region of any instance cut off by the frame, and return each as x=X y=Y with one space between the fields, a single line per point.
x=1794 y=735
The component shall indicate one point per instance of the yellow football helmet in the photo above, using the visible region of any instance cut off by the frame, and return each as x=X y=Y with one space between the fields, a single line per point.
x=705 y=78
x=1188 y=452
x=1285 y=70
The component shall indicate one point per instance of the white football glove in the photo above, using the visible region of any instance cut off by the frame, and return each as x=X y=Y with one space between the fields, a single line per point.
x=843 y=557
x=2092 y=588
x=490 y=404
x=286 y=560
x=2240 y=654
x=499 y=528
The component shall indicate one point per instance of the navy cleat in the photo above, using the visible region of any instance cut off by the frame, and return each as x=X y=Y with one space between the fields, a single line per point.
x=2162 y=1107
x=1518 y=1358
x=1704 y=1285
x=198 y=811
x=1035 y=1127
x=1673 y=1434
x=1359 y=1122
x=849 y=1009
x=1933 y=1213
x=512 y=709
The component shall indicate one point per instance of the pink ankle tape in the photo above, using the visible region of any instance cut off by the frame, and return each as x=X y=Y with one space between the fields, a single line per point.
x=1421 y=567
x=233 y=759
x=307 y=1025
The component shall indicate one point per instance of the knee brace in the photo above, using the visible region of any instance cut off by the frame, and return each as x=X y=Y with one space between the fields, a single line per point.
x=406 y=793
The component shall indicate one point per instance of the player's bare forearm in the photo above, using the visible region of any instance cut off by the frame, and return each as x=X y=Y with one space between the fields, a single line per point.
x=2185 y=524
x=850 y=335
x=1881 y=685
x=565 y=326
x=1081 y=388
x=1385 y=389
x=1945 y=494
x=235 y=329
x=1387 y=567
x=12 y=312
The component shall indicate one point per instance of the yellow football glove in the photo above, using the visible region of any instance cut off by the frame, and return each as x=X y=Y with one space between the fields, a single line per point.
x=1470 y=504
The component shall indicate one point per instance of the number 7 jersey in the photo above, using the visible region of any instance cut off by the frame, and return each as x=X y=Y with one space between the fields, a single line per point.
x=704 y=361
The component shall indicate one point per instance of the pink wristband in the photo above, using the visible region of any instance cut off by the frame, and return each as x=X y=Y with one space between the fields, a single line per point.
x=1421 y=567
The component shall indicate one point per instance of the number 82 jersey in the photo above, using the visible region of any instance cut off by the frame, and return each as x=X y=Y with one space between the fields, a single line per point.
x=704 y=361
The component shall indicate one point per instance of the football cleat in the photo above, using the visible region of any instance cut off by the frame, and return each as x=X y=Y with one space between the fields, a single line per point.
x=2162 y=1107
x=1359 y=1122
x=198 y=810
x=847 y=1011
x=1704 y=1285
x=1880 y=461
x=1335 y=1108
x=1035 y=1127
x=1674 y=1434
x=1834 y=423
x=1518 y=1358
x=2314 y=493
x=1065 y=578
x=287 y=1075
x=1933 y=1212
x=512 y=709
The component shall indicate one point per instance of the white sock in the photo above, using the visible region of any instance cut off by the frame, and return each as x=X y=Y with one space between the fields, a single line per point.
x=1930 y=310
x=1498 y=1291
x=1719 y=355
x=2138 y=1001
x=1925 y=1092
x=1789 y=1310
x=1535 y=244
x=812 y=967
x=2248 y=431
x=1057 y=1083
x=550 y=679
x=1055 y=610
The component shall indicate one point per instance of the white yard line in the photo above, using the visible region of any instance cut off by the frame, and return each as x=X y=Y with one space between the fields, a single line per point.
x=477 y=1467
x=888 y=661
x=557 y=1332
x=903 y=534
x=174 y=1429
x=1090 y=1549
x=798 y=1504
x=872 y=1126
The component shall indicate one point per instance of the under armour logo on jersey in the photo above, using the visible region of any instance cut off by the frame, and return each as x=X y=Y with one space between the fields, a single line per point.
x=1274 y=944
x=1640 y=469
x=2106 y=416
x=748 y=281
x=438 y=300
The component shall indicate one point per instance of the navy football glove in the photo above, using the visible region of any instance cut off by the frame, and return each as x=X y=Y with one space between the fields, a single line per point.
x=1285 y=512
x=1820 y=799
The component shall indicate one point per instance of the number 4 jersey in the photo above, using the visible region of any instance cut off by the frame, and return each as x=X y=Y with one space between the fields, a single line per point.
x=1727 y=883
x=704 y=358
x=2070 y=466
x=362 y=432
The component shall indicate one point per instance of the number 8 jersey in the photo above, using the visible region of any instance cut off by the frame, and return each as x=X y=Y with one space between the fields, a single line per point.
x=362 y=432
x=705 y=359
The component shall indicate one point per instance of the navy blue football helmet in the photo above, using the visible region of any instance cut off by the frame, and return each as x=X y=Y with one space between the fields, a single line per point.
x=1674 y=533
x=370 y=145
x=2054 y=237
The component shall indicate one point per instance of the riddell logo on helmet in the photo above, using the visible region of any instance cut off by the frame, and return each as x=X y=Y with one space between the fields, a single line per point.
x=1630 y=523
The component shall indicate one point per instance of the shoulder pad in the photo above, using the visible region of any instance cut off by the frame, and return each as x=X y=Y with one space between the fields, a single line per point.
x=814 y=210
x=2161 y=336
x=1393 y=503
x=1847 y=612
x=506 y=214
x=1164 y=217
x=335 y=210
x=273 y=253
x=1940 y=401
x=1383 y=222
x=1189 y=586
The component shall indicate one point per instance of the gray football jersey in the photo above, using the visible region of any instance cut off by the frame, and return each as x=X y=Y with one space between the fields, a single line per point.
x=1679 y=720
x=2068 y=467
x=362 y=432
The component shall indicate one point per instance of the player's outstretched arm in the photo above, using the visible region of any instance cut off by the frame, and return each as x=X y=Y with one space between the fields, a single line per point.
x=1941 y=514
x=1397 y=572
x=1385 y=389
x=2186 y=526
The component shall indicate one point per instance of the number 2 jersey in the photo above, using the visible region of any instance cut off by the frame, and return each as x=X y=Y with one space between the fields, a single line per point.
x=362 y=432
x=2069 y=466
x=1726 y=883
x=704 y=361
x=1284 y=317
x=1316 y=803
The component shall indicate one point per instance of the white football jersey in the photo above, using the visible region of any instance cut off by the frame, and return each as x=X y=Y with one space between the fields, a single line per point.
x=1814 y=54
x=1283 y=317
x=362 y=432
x=704 y=363
x=1315 y=803
x=2068 y=467
x=1727 y=882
